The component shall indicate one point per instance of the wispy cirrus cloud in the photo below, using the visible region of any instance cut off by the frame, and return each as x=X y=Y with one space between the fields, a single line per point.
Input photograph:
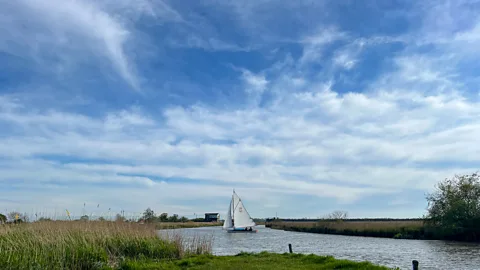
x=314 y=44
x=61 y=24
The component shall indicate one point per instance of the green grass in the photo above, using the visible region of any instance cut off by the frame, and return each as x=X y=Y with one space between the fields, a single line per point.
x=259 y=261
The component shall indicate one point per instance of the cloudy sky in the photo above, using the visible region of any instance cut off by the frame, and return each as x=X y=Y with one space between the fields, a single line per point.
x=304 y=107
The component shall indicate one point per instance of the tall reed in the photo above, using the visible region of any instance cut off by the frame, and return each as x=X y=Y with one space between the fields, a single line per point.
x=85 y=245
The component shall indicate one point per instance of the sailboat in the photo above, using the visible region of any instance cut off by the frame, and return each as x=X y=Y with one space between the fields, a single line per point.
x=238 y=219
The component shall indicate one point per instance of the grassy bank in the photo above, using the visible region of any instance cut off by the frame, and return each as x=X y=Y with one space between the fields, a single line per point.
x=254 y=261
x=403 y=229
x=88 y=245
x=181 y=225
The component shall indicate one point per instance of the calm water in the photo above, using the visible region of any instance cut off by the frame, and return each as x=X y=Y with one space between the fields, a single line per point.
x=388 y=252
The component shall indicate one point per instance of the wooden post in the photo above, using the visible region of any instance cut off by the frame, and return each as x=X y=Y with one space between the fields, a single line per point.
x=290 y=248
x=415 y=265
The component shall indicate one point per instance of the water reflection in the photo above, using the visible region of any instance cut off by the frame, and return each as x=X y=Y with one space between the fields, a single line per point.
x=388 y=252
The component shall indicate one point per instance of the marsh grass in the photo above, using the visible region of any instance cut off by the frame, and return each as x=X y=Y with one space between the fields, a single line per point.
x=189 y=245
x=389 y=229
x=88 y=245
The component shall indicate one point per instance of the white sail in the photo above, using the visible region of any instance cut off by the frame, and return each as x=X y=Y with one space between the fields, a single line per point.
x=241 y=218
x=235 y=201
x=228 y=220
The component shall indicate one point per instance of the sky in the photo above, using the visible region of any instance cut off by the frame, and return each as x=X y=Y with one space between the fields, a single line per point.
x=302 y=107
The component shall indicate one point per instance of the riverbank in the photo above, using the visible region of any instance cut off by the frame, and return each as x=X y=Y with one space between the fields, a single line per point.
x=183 y=225
x=124 y=245
x=401 y=229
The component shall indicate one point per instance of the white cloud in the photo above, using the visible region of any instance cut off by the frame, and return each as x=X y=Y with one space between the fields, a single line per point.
x=345 y=61
x=194 y=40
x=313 y=45
x=347 y=57
x=255 y=82
x=316 y=143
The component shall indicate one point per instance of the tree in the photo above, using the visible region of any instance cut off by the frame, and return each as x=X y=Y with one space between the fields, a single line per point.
x=183 y=219
x=44 y=219
x=119 y=218
x=16 y=217
x=3 y=219
x=101 y=219
x=173 y=218
x=148 y=215
x=84 y=218
x=163 y=217
x=454 y=208
x=337 y=215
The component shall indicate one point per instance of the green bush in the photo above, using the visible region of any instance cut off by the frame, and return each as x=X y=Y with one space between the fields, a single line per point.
x=454 y=209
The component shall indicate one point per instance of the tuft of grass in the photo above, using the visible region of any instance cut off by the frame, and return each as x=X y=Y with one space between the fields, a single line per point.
x=87 y=245
x=258 y=261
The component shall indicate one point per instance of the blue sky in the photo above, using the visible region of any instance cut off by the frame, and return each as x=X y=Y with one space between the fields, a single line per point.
x=304 y=107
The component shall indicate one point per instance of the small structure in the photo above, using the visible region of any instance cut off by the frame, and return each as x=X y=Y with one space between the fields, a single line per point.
x=211 y=217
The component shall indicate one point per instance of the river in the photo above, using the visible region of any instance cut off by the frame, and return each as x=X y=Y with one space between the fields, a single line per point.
x=388 y=252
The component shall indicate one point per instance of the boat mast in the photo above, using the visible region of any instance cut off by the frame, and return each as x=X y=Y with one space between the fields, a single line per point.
x=233 y=210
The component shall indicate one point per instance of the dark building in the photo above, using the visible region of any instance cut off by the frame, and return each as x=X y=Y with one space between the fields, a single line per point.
x=211 y=217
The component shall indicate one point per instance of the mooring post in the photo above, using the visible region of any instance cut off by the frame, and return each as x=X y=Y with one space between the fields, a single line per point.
x=290 y=248
x=415 y=265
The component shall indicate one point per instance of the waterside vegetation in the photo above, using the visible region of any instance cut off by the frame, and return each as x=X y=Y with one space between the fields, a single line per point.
x=163 y=221
x=183 y=225
x=125 y=245
x=387 y=229
x=90 y=245
x=160 y=222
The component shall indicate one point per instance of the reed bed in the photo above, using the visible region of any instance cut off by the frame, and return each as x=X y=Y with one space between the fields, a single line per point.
x=189 y=244
x=88 y=245
x=413 y=229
